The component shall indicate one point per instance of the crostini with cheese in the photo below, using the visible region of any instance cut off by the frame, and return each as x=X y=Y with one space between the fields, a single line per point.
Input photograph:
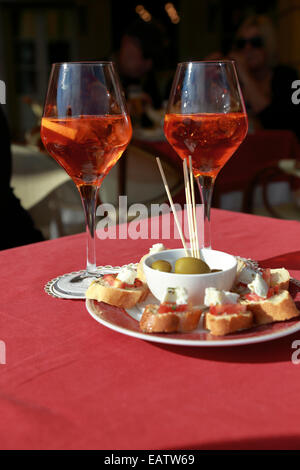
x=121 y=289
x=277 y=278
x=268 y=299
x=225 y=315
x=174 y=314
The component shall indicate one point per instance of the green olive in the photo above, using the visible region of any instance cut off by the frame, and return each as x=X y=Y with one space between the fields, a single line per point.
x=162 y=265
x=189 y=265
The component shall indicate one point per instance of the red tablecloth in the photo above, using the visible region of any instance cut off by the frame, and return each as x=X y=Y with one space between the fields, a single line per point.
x=71 y=383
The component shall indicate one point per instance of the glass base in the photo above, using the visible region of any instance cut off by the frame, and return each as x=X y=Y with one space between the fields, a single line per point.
x=73 y=285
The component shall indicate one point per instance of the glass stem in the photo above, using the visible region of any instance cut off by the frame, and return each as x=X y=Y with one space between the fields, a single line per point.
x=88 y=194
x=206 y=186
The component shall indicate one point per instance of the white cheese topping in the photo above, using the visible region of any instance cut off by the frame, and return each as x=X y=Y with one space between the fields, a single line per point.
x=156 y=248
x=246 y=275
x=212 y=296
x=176 y=295
x=215 y=296
x=259 y=286
x=127 y=275
x=230 y=297
x=182 y=296
x=170 y=295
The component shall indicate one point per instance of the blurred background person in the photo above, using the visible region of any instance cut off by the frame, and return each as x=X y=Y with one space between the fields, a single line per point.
x=266 y=84
x=138 y=59
x=17 y=226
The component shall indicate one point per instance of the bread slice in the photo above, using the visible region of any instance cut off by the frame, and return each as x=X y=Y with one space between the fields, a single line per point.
x=170 y=322
x=125 y=298
x=224 y=324
x=140 y=269
x=280 y=277
x=279 y=307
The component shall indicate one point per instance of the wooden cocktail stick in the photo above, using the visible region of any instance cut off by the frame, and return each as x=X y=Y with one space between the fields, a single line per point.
x=194 y=208
x=172 y=205
x=189 y=206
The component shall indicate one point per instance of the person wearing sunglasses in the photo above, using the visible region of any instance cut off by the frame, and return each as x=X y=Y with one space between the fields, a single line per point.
x=266 y=84
x=254 y=41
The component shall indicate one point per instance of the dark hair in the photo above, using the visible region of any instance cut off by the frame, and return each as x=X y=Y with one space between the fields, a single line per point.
x=152 y=38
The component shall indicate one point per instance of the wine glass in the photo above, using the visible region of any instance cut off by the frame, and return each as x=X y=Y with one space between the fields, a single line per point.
x=206 y=120
x=85 y=128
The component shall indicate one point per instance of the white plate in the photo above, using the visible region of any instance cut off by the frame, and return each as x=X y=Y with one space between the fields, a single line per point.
x=127 y=323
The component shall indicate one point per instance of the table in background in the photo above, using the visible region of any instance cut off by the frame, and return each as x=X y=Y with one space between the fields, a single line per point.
x=259 y=150
x=69 y=382
x=51 y=197
x=44 y=189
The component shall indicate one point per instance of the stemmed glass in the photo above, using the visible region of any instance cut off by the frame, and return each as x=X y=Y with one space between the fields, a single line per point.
x=206 y=119
x=85 y=128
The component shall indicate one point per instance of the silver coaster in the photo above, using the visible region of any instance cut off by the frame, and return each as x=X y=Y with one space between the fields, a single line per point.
x=64 y=287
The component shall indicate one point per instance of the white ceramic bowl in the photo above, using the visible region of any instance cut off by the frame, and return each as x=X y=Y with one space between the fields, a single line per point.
x=195 y=284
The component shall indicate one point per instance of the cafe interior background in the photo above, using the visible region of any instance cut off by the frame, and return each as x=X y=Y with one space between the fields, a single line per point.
x=34 y=34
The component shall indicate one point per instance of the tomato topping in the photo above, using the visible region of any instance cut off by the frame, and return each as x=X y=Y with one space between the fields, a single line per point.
x=110 y=278
x=181 y=308
x=273 y=291
x=228 y=309
x=137 y=283
x=167 y=307
x=253 y=297
x=114 y=282
x=242 y=284
x=266 y=275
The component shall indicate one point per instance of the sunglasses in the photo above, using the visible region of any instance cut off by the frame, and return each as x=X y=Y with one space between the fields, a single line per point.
x=255 y=41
